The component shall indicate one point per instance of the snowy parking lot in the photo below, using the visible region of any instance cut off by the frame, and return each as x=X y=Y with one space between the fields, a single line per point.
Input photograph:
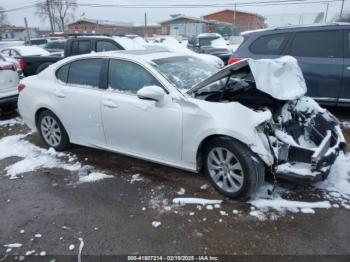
x=91 y=202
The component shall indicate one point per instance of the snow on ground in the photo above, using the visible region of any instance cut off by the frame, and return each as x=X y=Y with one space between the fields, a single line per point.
x=11 y=122
x=195 y=201
x=33 y=158
x=136 y=178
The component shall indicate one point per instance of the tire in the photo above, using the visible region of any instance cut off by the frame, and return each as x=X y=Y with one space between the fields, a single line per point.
x=232 y=168
x=52 y=131
x=42 y=67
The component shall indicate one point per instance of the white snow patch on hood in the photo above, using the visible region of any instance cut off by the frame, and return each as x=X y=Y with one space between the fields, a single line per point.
x=282 y=78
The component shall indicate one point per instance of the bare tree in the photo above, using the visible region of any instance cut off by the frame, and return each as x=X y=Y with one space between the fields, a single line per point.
x=3 y=17
x=62 y=11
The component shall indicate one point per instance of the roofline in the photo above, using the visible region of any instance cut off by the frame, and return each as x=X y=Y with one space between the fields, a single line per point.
x=238 y=11
x=182 y=16
x=100 y=22
x=294 y=26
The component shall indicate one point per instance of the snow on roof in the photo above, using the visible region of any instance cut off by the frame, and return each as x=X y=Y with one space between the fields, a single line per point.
x=101 y=22
x=181 y=16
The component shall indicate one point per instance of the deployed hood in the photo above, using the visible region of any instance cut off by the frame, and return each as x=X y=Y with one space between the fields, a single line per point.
x=281 y=78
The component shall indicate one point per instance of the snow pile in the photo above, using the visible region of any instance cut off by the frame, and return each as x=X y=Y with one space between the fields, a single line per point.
x=93 y=177
x=11 y=122
x=136 y=178
x=195 y=201
x=34 y=158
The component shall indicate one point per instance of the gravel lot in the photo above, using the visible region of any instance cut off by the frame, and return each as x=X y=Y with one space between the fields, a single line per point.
x=115 y=215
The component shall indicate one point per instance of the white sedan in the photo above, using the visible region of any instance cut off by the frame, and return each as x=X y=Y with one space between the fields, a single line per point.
x=176 y=110
x=9 y=79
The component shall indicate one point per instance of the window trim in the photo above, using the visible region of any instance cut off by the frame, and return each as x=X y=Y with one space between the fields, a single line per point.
x=99 y=87
x=137 y=63
x=284 y=45
x=342 y=49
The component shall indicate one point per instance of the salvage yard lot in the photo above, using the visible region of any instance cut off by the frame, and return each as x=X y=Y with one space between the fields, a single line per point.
x=53 y=203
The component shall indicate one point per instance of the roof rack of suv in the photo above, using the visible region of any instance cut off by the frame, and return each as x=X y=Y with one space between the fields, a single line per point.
x=76 y=35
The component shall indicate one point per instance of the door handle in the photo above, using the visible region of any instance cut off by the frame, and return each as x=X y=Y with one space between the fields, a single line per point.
x=59 y=94
x=109 y=104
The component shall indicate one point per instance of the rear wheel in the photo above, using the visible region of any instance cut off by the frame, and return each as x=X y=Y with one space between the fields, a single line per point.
x=232 y=168
x=52 y=131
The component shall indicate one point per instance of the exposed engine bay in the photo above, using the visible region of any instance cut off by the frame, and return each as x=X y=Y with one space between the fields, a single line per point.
x=303 y=138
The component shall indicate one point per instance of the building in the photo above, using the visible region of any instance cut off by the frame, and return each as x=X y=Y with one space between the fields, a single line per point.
x=17 y=33
x=182 y=25
x=243 y=20
x=91 y=26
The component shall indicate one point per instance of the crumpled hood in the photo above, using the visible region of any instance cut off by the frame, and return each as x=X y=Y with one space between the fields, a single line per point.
x=281 y=78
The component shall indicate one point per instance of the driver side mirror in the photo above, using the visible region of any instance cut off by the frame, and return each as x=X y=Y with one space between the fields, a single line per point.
x=155 y=93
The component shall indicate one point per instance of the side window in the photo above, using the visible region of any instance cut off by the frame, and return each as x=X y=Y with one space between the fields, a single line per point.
x=317 y=44
x=62 y=73
x=128 y=76
x=84 y=47
x=269 y=44
x=74 y=48
x=106 y=46
x=85 y=72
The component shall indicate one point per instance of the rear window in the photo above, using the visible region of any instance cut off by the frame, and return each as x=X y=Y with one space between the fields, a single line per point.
x=269 y=44
x=317 y=44
x=85 y=72
x=81 y=47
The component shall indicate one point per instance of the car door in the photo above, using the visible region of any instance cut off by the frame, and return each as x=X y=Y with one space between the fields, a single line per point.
x=77 y=100
x=344 y=96
x=135 y=126
x=320 y=56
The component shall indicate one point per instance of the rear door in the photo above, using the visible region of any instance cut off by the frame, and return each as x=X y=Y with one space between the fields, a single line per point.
x=76 y=99
x=344 y=97
x=320 y=56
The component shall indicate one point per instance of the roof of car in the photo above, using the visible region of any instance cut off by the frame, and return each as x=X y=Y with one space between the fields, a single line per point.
x=269 y=29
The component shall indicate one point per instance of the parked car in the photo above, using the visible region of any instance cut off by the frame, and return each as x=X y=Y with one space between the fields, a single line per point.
x=17 y=52
x=55 y=46
x=176 y=110
x=174 y=46
x=211 y=43
x=321 y=50
x=32 y=65
x=37 y=42
x=9 y=80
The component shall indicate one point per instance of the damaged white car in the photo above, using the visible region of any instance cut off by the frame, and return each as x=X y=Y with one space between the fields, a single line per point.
x=235 y=124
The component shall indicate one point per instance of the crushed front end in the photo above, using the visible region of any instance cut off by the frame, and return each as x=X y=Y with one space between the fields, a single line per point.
x=305 y=140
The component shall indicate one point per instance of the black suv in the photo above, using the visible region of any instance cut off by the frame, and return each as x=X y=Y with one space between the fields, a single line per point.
x=323 y=53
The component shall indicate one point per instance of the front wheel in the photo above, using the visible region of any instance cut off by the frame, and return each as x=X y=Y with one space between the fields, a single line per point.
x=232 y=168
x=52 y=131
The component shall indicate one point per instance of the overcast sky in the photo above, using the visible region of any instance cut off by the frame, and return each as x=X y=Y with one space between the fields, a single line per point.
x=276 y=15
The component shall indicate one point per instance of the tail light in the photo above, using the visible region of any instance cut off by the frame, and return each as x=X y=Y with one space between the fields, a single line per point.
x=8 y=67
x=21 y=87
x=233 y=60
x=21 y=63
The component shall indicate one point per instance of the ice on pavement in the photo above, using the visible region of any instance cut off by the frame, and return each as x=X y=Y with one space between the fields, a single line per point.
x=136 y=178
x=14 y=245
x=156 y=224
x=11 y=122
x=71 y=247
x=196 y=201
x=34 y=158
x=93 y=177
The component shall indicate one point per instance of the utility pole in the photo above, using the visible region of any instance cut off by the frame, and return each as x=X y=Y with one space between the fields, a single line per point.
x=234 y=19
x=27 y=29
x=326 y=13
x=342 y=9
x=50 y=15
x=145 y=32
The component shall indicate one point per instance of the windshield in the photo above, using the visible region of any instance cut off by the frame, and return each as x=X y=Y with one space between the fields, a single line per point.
x=184 y=71
x=212 y=41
